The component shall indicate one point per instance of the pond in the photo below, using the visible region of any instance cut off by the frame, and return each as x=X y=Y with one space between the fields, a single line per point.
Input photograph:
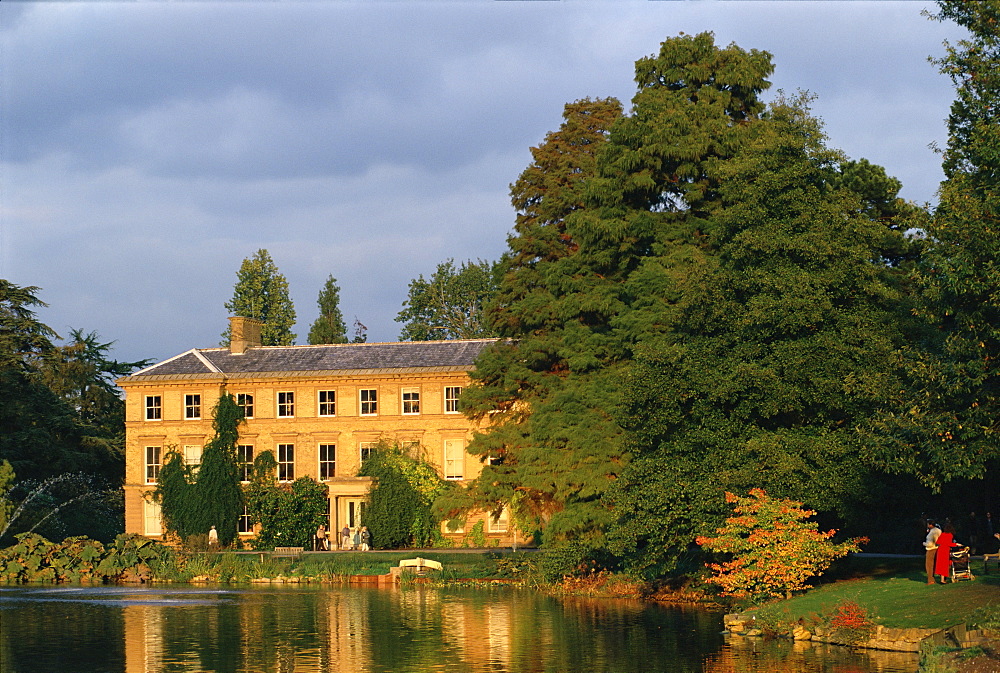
x=309 y=629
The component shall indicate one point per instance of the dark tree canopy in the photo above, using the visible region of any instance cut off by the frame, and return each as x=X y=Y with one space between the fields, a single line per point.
x=780 y=349
x=700 y=295
x=59 y=409
x=81 y=374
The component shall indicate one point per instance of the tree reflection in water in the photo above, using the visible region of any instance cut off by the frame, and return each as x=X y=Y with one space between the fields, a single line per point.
x=754 y=655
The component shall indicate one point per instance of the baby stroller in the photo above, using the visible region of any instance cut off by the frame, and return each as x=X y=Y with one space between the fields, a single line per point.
x=961 y=564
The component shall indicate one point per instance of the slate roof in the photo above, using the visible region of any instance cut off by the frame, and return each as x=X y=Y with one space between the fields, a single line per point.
x=411 y=356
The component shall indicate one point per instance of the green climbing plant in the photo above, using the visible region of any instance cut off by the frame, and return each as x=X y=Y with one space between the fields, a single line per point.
x=404 y=487
x=288 y=514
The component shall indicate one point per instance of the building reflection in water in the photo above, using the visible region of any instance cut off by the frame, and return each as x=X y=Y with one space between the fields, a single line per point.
x=376 y=630
x=346 y=628
x=356 y=630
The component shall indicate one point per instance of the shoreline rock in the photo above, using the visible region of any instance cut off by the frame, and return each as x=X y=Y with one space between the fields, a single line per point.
x=882 y=637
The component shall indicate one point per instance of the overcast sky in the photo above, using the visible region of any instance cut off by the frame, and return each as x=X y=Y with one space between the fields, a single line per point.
x=147 y=148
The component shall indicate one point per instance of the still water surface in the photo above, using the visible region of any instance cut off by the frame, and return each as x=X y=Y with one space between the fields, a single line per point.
x=381 y=630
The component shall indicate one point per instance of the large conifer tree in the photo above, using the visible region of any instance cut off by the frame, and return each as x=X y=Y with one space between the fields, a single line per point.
x=329 y=327
x=261 y=292
x=550 y=445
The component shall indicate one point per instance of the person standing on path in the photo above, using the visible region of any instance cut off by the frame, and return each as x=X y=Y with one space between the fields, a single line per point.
x=366 y=539
x=322 y=543
x=930 y=549
x=213 y=539
x=345 y=538
x=945 y=541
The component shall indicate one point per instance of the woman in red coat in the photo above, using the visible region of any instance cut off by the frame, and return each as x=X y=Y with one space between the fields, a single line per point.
x=942 y=562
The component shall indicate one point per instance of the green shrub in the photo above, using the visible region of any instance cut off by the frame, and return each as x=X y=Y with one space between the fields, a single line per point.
x=288 y=514
x=569 y=559
x=477 y=535
x=516 y=566
x=399 y=510
x=131 y=553
x=35 y=559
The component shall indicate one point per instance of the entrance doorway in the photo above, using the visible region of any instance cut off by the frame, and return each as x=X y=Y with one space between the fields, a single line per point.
x=351 y=514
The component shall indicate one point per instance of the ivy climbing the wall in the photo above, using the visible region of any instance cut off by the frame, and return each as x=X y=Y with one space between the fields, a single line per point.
x=288 y=514
x=399 y=501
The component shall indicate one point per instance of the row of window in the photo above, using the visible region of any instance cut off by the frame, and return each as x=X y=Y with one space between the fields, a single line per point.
x=326 y=403
x=454 y=460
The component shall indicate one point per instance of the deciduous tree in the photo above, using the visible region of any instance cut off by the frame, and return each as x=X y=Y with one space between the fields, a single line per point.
x=772 y=549
x=450 y=304
x=288 y=514
x=779 y=352
x=399 y=512
x=943 y=426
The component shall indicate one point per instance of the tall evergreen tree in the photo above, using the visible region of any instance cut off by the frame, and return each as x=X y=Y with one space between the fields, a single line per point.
x=944 y=427
x=218 y=480
x=261 y=292
x=82 y=375
x=549 y=446
x=22 y=336
x=450 y=305
x=195 y=498
x=329 y=327
x=38 y=431
x=59 y=410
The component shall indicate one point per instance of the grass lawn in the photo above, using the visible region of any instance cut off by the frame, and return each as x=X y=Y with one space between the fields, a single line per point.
x=456 y=565
x=895 y=593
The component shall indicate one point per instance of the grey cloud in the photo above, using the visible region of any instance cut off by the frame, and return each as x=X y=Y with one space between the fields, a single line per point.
x=264 y=91
x=149 y=147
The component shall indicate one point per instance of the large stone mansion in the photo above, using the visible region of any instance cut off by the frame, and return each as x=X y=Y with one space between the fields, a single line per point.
x=319 y=409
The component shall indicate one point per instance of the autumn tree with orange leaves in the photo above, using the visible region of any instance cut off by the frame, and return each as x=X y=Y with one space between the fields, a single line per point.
x=773 y=549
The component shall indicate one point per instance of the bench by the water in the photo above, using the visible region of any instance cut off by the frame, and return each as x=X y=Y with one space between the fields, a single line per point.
x=417 y=566
x=287 y=552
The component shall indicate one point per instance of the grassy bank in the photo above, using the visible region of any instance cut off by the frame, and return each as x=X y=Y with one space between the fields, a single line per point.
x=246 y=567
x=894 y=593
x=455 y=565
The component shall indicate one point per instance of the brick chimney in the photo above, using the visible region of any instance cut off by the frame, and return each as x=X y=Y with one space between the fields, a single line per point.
x=244 y=334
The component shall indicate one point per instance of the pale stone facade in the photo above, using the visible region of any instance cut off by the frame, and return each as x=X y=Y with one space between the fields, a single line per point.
x=317 y=408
